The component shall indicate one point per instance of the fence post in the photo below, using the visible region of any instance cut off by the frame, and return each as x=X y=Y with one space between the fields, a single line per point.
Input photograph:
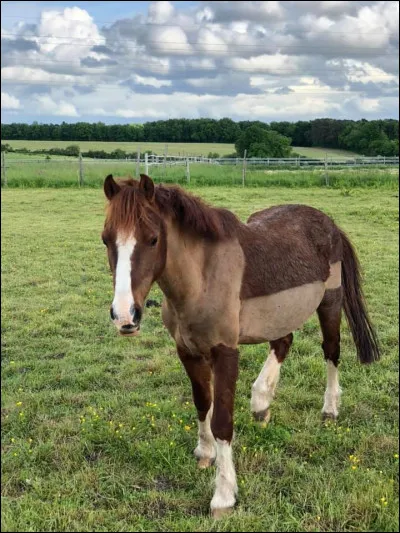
x=187 y=170
x=165 y=159
x=3 y=169
x=146 y=164
x=244 y=168
x=326 y=171
x=80 y=169
x=138 y=163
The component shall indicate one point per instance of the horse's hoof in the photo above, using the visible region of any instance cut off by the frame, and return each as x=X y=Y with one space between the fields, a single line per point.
x=221 y=513
x=205 y=462
x=263 y=416
x=329 y=417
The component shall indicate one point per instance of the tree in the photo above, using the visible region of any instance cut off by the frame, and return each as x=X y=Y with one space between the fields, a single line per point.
x=260 y=142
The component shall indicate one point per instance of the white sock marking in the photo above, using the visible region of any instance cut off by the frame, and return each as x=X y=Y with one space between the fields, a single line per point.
x=263 y=389
x=225 y=482
x=206 y=444
x=333 y=391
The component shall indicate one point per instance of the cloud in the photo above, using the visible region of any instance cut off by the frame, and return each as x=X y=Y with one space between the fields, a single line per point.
x=153 y=82
x=160 y=12
x=233 y=11
x=49 y=106
x=9 y=102
x=245 y=60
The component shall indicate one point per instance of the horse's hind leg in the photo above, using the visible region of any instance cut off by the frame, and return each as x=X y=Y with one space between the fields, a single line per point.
x=263 y=390
x=329 y=314
x=200 y=374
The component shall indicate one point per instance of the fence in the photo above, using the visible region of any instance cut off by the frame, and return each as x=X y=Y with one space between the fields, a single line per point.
x=161 y=167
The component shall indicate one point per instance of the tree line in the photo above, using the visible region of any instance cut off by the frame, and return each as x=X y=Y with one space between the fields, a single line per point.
x=374 y=137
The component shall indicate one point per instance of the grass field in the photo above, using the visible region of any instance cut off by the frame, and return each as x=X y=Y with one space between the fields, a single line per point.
x=98 y=430
x=320 y=153
x=158 y=148
x=173 y=148
x=36 y=172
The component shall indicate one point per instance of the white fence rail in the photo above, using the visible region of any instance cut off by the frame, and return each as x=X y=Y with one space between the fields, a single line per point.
x=270 y=161
x=161 y=162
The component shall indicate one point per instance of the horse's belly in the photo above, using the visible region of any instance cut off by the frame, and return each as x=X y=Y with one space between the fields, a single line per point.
x=268 y=318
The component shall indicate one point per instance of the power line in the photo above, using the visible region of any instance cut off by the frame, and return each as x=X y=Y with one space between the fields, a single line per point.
x=203 y=25
x=161 y=70
x=71 y=83
x=71 y=40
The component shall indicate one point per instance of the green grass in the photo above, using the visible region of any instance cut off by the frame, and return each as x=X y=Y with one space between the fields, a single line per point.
x=320 y=153
x=173 y=148
x=129 y=467
x=158 y=148
x=39 y=173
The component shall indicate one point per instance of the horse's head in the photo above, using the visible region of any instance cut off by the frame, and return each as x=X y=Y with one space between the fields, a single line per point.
x=135 y=236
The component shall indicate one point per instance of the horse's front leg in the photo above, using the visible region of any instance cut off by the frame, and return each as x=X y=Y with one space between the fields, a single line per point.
x=225 y=366
x=199 y=371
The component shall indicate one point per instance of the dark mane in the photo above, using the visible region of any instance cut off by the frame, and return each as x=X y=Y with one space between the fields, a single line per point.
x=193 y=216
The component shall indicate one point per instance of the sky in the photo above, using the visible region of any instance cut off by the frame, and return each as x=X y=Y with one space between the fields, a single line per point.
x=126 y=62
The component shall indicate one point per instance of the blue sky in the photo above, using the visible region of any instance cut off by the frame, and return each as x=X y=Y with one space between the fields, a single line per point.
x=100 y=11
x=136 y=61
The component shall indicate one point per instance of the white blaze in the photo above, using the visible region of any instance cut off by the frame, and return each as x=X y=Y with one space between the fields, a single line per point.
x=123 y=298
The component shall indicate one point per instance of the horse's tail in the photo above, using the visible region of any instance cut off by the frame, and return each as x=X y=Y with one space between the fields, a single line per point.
x=354 y=305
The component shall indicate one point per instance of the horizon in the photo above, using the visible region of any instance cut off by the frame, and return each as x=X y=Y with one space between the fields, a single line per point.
x=188 y=118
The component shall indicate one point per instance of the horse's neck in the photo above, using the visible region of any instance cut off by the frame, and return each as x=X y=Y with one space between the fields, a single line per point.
x=182 y=277
x=197 y=269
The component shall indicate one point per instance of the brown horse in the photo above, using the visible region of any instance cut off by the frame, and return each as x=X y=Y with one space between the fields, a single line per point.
x=227 y=283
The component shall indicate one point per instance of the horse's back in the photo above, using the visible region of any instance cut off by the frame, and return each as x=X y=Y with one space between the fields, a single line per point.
x=287 y=246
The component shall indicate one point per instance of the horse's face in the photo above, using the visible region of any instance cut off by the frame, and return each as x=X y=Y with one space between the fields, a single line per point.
x=135 y=236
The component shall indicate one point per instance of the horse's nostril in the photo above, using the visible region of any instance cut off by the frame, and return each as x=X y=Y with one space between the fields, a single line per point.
x=112 y=314
x=136 y=314
x=127 y=327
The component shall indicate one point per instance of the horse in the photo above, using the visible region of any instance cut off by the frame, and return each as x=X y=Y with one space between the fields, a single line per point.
x=227 y=283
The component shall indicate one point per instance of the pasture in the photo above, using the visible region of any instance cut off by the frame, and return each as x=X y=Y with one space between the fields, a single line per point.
x=35 y=171
x=173 y=148
x=158 y=148
x=98 y=430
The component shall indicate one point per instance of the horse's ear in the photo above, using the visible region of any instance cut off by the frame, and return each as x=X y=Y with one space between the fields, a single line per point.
x=147 y=186
x=111 y=187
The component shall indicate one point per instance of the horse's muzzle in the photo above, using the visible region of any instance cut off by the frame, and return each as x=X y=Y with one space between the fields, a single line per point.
x=129 y=329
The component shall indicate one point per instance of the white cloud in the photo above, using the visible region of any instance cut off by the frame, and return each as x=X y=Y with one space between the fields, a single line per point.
x=207 y=59
x=363 y=72
x=160 y=12
x=61 y=108
x=9 y=102
x=208 y=41
x=153 y=82
x=274 y=64
x=27 y=74
x=368 y=104
x=169 y=40
x=68 y=34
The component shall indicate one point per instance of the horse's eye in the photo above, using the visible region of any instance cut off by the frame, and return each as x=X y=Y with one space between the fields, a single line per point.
x=153 y=241
x=104 y=242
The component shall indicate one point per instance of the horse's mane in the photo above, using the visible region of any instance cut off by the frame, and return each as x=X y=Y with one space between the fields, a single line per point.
x=191 y=214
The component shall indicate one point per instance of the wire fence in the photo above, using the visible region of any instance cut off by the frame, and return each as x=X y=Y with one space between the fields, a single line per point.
x=72 y=171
